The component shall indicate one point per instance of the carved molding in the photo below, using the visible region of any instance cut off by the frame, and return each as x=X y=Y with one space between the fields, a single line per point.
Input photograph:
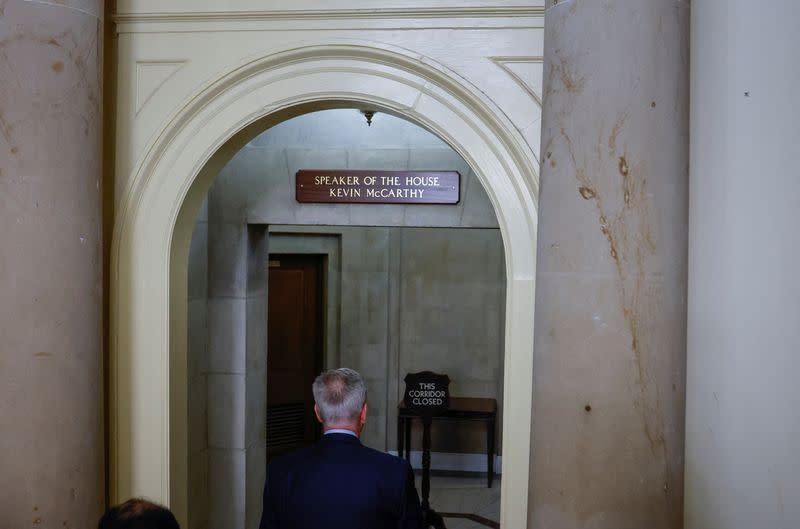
x=507 y=65
x=151 y=75
x=423 y=18
x=334 y=14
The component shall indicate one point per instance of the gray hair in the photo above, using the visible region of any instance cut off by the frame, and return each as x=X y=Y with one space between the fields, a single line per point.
x=340 y=394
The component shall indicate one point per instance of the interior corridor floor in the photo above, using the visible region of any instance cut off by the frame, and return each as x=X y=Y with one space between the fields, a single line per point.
x=464 y=495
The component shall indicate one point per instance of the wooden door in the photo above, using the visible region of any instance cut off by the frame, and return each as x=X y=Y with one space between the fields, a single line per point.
x=294 y=350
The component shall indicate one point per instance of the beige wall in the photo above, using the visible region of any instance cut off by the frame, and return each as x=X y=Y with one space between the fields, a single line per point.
x=451 y=318
x=742 y=419
x=257 y=186
x=414 y=299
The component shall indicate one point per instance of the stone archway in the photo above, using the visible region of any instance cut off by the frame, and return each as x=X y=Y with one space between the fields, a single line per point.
x=156 y=211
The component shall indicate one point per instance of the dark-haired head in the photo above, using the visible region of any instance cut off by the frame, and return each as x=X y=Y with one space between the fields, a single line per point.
x=137 y=513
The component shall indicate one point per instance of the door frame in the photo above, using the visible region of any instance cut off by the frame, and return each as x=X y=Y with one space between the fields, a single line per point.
x=159 y=201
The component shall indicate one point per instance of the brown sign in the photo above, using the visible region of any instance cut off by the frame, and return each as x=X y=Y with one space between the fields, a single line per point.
x=322 y=186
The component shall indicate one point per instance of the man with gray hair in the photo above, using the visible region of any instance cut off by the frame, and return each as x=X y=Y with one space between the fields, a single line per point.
x=338 y=482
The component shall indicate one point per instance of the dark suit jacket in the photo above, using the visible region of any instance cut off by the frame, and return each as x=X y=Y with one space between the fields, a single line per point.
x=338 y=483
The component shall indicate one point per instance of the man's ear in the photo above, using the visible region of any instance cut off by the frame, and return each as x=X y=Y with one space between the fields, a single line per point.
x=363 y=416
x=316 y=412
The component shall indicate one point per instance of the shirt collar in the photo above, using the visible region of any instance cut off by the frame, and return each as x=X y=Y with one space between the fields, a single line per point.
x=341 y=430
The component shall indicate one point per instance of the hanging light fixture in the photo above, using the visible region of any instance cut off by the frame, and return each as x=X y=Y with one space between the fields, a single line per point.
x=369 y=114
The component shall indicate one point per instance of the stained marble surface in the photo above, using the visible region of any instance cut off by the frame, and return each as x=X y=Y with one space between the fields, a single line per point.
x=50 y=266
x=610 y=344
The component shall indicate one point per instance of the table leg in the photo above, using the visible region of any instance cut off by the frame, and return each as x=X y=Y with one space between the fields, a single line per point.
x=490 y=452
x=399 y=436
x=408 y=438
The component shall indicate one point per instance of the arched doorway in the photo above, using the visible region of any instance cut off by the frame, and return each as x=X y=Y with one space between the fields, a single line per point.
x=157 y=208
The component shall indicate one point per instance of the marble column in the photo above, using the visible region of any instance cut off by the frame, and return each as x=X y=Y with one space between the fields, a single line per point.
x=610 y=330
x=742 y=389
x=51 y=382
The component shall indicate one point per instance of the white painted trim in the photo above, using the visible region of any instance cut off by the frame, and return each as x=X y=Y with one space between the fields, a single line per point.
x=335 y=14
x=354 y=19
x=503 y=63
x=313 y=24
x=449 y=461
x=160 y=196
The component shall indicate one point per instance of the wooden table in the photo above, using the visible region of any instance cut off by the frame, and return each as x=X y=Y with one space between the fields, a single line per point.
x=461 y=409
